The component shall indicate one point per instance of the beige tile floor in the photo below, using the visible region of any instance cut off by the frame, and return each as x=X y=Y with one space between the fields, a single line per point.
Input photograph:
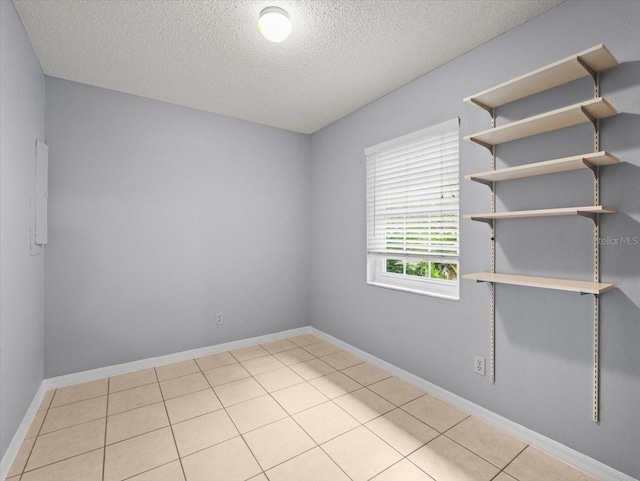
x=298 y=409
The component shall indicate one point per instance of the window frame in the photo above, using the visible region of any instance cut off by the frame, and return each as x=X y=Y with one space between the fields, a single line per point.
x=377 y=274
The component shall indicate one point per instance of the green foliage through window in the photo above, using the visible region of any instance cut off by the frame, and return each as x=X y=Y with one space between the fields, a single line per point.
x=395 y=266
x=426 y=269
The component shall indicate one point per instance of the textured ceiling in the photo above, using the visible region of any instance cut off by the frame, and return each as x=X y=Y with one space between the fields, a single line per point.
x=341 y=55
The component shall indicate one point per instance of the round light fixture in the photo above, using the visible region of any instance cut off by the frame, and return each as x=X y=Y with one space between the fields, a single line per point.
x=274 y=24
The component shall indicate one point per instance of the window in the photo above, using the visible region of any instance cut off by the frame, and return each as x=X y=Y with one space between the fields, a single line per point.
x=413 y=212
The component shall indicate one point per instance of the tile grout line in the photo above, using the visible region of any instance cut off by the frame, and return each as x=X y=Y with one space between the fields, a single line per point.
x=141 y=434
x=149 y=470
x=338 y=435
x=132 y=409
x=96 y=397
x=77 y=424
x=262 y=470
x=106 y=419
x=412 y=452
x=79 y=400
x=473 y=452
x=290 y=416
x=46 y=413
x=173 y=436
x=440 y=434
x=135 y=387
x=333 y=460
x=280 y=389
x=387 y=442
x=24 y=468
x=509 y=463
x=328 y=440
x=212 y=386
x=58 y=461
x=75 y=402
x=364 y=425
x=233 y=422
x=406 y=458
x=451 y=427
x=359 y=382
x=293 y=457
x=432 y=427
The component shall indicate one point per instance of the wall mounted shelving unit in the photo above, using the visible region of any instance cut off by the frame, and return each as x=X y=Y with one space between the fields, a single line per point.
x=587 y=63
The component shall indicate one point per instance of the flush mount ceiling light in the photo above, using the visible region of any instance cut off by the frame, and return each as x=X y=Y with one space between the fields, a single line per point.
x=274 y=24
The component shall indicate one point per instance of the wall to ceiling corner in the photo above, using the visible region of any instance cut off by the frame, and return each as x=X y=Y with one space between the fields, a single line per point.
x=22 y=104
x=544 y=338
x=162 y=216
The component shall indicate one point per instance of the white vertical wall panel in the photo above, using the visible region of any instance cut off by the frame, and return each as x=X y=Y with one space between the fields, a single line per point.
x=42 y=191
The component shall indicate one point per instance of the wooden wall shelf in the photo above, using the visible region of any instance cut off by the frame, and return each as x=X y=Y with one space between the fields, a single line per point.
x=521 y=214
x=575 y=114
x=576 y=162
x=595 y=59
x=583 y=287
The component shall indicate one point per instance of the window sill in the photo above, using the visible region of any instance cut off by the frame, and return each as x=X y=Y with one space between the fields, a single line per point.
x=449 y=297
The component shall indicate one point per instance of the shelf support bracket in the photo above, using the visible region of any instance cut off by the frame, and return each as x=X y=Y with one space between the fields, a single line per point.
x=584 y=65
x=489 y=222
x=483 y=144
x=488 y=183
x=593 y=120
x=590 y=215
x=590 y=166
x=481 y=105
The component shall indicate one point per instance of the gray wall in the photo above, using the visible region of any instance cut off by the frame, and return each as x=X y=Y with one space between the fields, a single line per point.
x=21 y=275
x=544 y=338
x=161 y=216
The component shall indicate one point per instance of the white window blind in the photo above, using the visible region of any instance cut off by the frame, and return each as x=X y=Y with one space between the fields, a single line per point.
x=413 y=195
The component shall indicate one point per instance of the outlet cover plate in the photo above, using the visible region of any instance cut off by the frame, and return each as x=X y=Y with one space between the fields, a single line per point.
x=478 y=365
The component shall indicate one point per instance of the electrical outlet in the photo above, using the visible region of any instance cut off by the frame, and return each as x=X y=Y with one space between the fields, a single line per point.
x=219 y=319
x=478 y=365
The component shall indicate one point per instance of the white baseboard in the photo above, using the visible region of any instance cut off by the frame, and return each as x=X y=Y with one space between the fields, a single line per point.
x=14 y=446
x=101 y=373
x=560 y=451
x=570 y=456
